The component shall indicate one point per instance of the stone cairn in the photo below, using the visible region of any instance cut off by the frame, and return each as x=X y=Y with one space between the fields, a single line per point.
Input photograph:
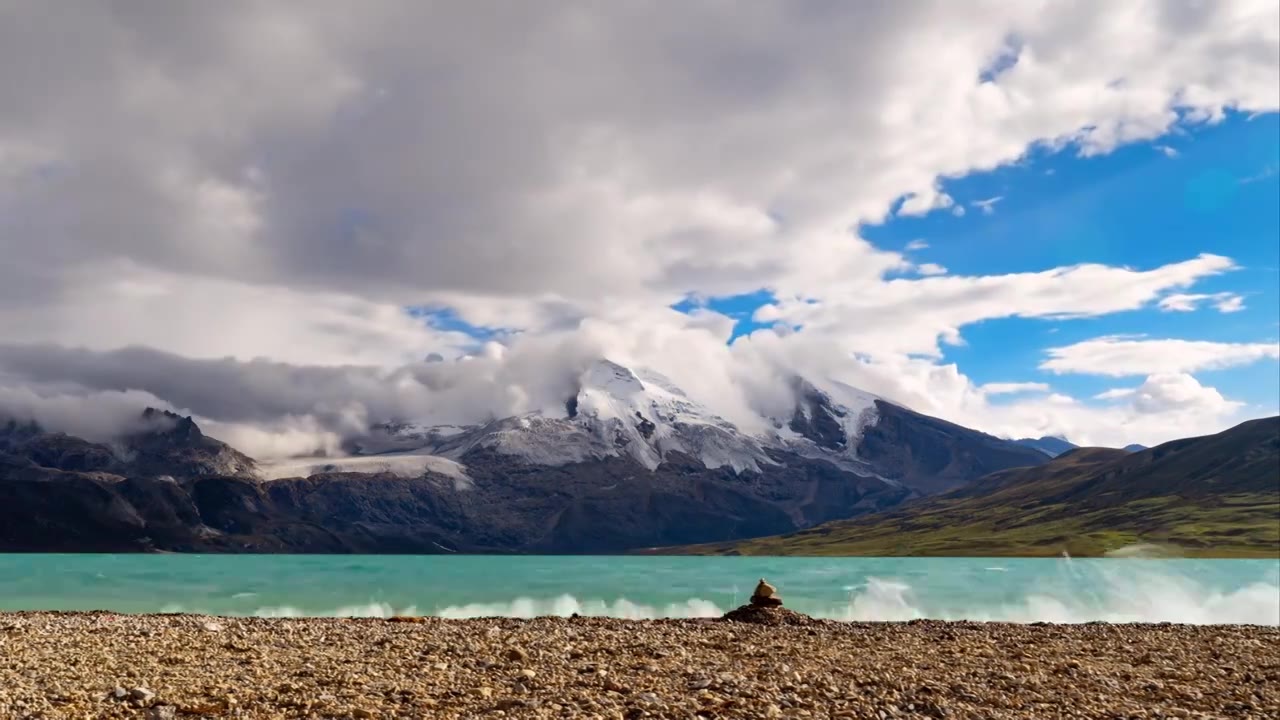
x=765 y=608
x=765 y=595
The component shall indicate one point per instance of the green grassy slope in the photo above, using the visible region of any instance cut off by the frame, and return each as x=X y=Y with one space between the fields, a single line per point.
x=1213 y=496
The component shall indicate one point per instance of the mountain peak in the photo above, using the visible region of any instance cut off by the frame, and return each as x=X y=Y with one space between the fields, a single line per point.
x=1051 y=445
x=174 y=442
x=172 y=424
x=612 y=378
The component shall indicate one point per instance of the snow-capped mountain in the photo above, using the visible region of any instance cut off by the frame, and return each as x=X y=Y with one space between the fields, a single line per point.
x=627 y=460
x=640 y=415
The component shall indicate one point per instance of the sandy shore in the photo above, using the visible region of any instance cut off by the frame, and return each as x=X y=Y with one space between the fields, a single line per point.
x=100 y=665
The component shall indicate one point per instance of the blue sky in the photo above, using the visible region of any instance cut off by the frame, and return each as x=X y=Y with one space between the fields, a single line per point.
x=1139 y=206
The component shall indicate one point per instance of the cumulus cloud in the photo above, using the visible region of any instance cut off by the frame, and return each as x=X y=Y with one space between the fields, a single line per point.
x=251 y=196
x=1173 y=393
x=1117 y=356
x=1163 y=407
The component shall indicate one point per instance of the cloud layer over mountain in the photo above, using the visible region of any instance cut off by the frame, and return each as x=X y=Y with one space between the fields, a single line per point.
x=249 y=210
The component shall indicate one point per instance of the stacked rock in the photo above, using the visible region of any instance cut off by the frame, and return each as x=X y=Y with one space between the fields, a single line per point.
x=765 y=595
x=765 y=608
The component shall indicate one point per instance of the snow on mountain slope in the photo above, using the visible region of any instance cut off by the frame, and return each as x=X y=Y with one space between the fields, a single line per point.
x=650 y=418
x=620 y=412
x=614 y=413
x=403 y=464
x=832 y=419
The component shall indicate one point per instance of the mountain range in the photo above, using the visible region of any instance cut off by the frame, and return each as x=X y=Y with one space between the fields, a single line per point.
x=1055 y=445
x=629 y=461
x=1215 y=495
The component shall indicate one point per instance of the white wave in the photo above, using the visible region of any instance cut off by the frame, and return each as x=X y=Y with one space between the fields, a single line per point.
x=1120 y=592
x=883 y=600
x=567 y=605
x=373 y=610
x=1121 y=595
x=891 y=601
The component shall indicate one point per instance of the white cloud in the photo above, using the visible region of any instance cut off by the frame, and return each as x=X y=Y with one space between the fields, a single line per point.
x=206 y=317
x=1116 y=356
x=988 y=206
x=925 y=202
x=943 y=391
x=1014 y=388
x=1224 y=302
x=1263 y=174
x=1162 y=408
x=930 y=269
x=917 y=245
x=1229 y=303
x=908 y=316
x=1172 y=393
x=1178 y=392
x=279 y=181
x=1166 y=150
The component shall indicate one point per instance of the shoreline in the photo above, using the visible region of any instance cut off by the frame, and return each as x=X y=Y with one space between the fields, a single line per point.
x=75 y=664
x=1180 y=553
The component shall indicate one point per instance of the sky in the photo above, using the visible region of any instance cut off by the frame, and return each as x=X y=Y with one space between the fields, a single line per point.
x=294 y=220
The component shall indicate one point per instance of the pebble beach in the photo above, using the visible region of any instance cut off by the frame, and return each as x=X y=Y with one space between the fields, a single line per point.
x=768 y=663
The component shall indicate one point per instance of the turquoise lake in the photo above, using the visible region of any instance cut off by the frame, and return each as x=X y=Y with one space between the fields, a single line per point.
x=1012 y=589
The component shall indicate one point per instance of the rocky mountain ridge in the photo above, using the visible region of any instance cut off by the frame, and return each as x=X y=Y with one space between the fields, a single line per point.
x=1215 y=496
x=630 y=461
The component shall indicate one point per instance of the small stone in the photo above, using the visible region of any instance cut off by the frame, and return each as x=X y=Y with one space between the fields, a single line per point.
x=765 y=595
x=483 y=691
x=764 y=590
x=119 y=693
x=361 y=713
x=213 y=627
x=162 y=712
x=515 y=654
x=440 y=667
x=206 y=708
x=527 y=674
x=141 y=694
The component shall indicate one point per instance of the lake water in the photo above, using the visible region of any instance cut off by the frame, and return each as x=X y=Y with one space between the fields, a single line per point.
x=1013 y=589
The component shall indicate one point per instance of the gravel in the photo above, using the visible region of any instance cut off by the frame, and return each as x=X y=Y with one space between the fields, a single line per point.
x=103 y=665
